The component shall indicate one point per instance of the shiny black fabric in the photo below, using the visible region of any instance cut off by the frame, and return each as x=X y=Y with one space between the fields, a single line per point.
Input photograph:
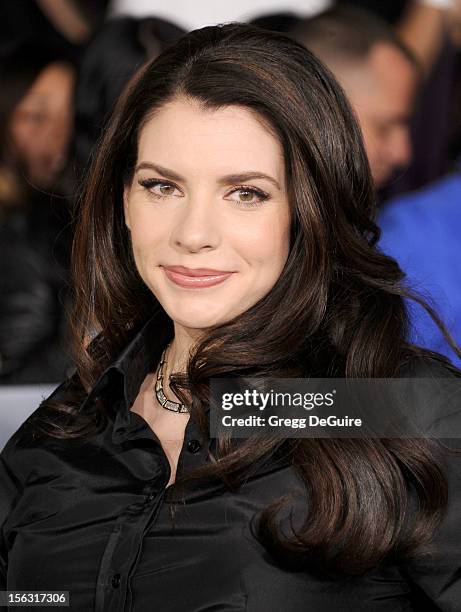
x=34 y=253
x=94 y=517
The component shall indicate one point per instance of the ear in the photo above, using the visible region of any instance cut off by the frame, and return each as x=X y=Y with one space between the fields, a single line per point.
x=126 y=209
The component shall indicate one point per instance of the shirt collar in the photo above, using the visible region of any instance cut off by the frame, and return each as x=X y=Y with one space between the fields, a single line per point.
x=132 y=365
x=123 y=378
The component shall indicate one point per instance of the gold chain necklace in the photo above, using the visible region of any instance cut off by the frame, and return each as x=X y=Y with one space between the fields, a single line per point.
x=161 y=397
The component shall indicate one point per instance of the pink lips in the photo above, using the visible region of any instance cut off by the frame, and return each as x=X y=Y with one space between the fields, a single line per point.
x=195 y=277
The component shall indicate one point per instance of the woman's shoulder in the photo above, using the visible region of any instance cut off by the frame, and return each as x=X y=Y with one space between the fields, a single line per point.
x=428 y=364
x=433 y=385
x=18 y=453
x=436 y=574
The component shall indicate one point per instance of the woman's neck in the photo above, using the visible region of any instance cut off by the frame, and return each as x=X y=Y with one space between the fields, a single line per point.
x=180 y=347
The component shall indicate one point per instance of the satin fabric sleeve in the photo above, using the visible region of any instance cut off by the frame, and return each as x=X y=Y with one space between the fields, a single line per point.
x=10 y=491
x=439 y=574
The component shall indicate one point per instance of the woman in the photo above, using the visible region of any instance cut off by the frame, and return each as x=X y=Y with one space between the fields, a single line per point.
x=226 y=231
x=35 y=130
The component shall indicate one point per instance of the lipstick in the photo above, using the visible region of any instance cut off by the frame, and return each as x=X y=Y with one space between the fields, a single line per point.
x=195 y=278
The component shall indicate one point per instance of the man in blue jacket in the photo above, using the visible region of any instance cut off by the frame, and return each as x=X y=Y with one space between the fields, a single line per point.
x=421 y=231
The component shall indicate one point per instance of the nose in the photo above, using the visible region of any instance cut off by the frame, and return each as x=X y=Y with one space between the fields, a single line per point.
x=59 y=136
x=198 y=226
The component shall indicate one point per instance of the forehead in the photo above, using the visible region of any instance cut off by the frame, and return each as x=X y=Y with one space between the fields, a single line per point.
x=392 y=68
x=184 y=134
x=55 y=74
x=52 y=85
x=382 y=85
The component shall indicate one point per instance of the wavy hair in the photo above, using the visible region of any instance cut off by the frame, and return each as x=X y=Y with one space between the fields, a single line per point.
x=337 y=309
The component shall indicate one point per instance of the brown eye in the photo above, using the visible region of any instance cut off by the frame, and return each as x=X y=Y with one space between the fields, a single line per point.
x=246 y=196
x=166 y=189
x=249 y=196
x=159 y=189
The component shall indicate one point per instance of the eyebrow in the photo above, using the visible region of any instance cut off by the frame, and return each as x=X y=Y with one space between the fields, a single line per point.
x=240 y=177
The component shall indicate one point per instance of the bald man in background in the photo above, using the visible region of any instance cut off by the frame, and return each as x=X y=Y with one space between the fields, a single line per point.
x=379 y=75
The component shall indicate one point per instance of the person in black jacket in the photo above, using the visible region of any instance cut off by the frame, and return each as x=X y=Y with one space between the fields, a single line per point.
x=227 y=231
x=35 y=234
x=33 y=282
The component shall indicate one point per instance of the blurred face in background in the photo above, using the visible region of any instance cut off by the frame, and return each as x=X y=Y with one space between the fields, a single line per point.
x=208 y=211
x=41 y=124
x=381 y=91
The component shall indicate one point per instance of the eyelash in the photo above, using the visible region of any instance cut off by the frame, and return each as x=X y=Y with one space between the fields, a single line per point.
x=150 y=183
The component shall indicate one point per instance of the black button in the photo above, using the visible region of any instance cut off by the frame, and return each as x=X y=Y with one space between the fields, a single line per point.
x=121 y=430
x=116 y=581
x=150 y=497
x=193 y=446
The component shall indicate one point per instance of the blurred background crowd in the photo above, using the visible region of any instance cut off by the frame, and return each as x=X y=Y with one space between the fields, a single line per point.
x=64 y=63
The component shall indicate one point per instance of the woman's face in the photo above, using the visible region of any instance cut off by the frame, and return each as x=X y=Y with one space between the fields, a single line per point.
x=208 y=199
x=41 y=124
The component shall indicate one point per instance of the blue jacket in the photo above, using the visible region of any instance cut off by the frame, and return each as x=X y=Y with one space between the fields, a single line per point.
x=421 y=231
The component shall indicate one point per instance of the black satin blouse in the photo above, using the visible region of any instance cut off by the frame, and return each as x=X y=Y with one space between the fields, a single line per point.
x=94 y=517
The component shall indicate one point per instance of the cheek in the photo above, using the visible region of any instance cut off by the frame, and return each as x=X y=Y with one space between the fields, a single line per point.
x=146 y=229
x=265 y=243
x=148 y=234
x=32 y=140
x=22 y=135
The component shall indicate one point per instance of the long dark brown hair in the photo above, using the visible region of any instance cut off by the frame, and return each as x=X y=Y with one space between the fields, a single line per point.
x=336 y=310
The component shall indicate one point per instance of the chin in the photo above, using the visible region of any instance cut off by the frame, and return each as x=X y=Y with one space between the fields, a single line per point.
x=202 y=322
x=200 y=319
